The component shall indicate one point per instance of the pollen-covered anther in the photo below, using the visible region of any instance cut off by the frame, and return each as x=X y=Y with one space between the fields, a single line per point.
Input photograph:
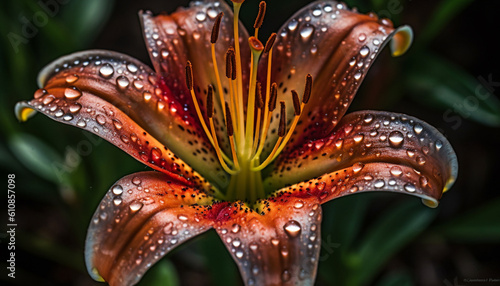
x=282 y=126
x=270 y=43
x=229 y=121
x=230 y=60
x=216 y=28
x=274 y=97
x=296 y=102
x=189 y=75
x=307 y=89
x=260 y=16
x=210 y=102
x=259 y=99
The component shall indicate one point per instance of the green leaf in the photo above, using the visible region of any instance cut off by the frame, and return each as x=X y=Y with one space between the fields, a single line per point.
x=446 y=11
x=163 y=273
x=437 y=82
x=38 y=157
x=392 y=231
x=481 y=225
x=221 y=266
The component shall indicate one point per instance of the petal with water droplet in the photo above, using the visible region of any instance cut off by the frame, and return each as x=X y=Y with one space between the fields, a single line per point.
x=115 y=109
x=400 y=140
x=132 y=229
x=277 y=245
x=345 y=44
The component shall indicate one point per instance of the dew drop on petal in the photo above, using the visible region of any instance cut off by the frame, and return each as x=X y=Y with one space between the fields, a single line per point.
x=292 y=228
x=364 y=51
x=396 y=171
x=135 y=206
x=306 y=32
x=396 y=139
x=418 y=129
x=72 y=92
x=167 y=229
x=132 y=68
x=100 y=119
x=72 y=78
x=122 y=82
x=136 y=181
x=292 y=25
x=285 y=276
x=106 y=71
x=117 y=190
x=182 y=217
x=410 y=188
x=379 y=184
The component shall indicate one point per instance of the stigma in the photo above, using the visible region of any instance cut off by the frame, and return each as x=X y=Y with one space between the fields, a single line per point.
x=247 y=120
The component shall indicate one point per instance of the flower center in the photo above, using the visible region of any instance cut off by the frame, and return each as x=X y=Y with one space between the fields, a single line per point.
x=247 y=124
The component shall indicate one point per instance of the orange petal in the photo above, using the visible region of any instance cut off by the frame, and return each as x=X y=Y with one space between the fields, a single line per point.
x=396 y=142
x=141 y=218
x=118 y=98
x=174 y=39
x=336 y=46
x=279 y=246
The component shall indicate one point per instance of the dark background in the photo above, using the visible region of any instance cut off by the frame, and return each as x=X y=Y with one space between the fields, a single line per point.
x=456 y=45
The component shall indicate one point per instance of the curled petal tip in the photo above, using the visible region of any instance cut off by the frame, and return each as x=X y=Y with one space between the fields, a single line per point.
x=430 y=202
x=95 y=275
x=401 y=41
x=23 y=111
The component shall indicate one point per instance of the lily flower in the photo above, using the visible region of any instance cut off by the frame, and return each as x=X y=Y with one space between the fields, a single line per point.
x=247 y=137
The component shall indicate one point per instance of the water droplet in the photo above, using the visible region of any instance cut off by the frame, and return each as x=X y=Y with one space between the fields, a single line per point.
x=100 y=119
x=235 y=228
x=292 y=25
x=135 y=206
x=138 y=84
x=72 y=78
x=117 y=201
x=117 y=190
x=253 y=246
x=285 y=276
x=306 y=32
x=410 y=188
x=364 y=51
x=358 y=138
x=74 y=108
x=328 y=8
x=379 y=184
x=357 y=167
x=236 y=242
x=420 y=160
x=72 y=92
x=418 y=128
x=292 y=228
x=376 y=42
x=423 y=181
x=298 y=204
x=68 y=117
x=317 y=12
x=122 y=82
x=81 y=123
x=239 y=253
x=182 y=217
x=118 y=125
x=353 y=189
x=39 y=93
x=439 y=145
x=200 y=16
x=147 y=96
x=106 y=71
x=132 y=68
x=211 y=12
x=396 y=171
x=396 y=139
x=136 y=181
x=392 y=182
x=362 y=37
x=103 y=216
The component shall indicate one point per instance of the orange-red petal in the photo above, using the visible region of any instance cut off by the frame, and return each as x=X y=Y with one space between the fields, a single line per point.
x=380 y=140
x=142 y=217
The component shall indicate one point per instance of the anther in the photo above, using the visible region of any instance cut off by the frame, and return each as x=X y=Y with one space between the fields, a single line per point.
x=296 y=102
x=307 y=89
x=270 y=43
x=260 y=15
x=189 y=75
x=259 y=99
x=282 y=127
x=233 y=65
x=229 y=121
x=210 y=101
x=229 y=63
x=274 y=96
x=216 y=27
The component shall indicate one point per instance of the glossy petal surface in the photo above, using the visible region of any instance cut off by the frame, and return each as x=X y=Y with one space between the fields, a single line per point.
x=337 y=47
x=279 y=245
x=119 y=99
x=361 y=138
x=141 y=218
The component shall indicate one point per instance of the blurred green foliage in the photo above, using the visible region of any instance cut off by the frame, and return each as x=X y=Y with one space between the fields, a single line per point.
x=64 y=187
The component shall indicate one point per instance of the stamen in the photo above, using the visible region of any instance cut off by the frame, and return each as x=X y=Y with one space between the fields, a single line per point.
x=189 y=83
x=230 y=132
x=213 y=39
x=296 y=102
x=307 y=89
x=268 y=113
x=270 y=43
x=260 y=17
x=210 y=112
x=260 y=105
x=216 y=27
x=281 y=133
